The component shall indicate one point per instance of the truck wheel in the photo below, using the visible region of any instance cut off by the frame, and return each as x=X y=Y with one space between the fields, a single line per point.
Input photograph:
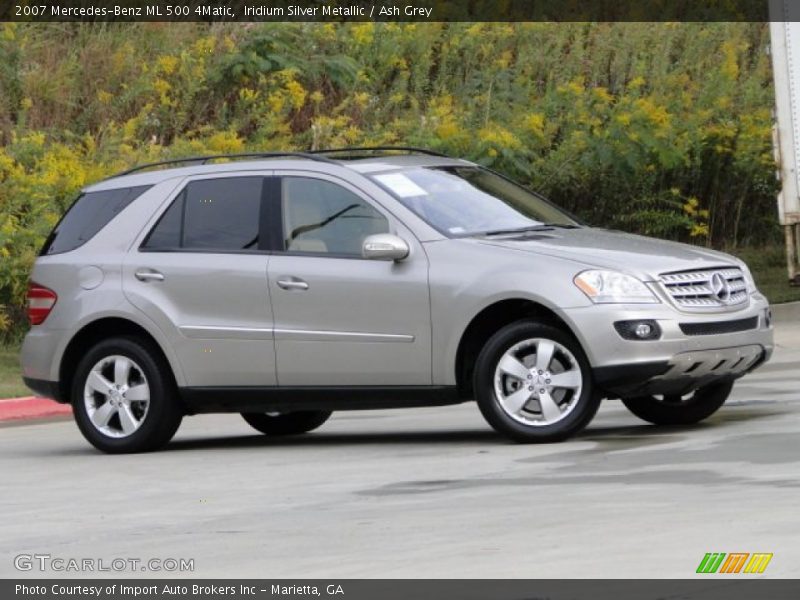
x=124 y=397
x=291 y=423
x=533 y=383
x=680 y=410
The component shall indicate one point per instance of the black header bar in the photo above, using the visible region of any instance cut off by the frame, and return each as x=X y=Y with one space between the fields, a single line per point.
x=343 y=11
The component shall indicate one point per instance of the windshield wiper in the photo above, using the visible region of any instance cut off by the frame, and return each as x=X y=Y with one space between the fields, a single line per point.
x=312 y=226
x=517 y=230
x=563 y=225
x=539 y=227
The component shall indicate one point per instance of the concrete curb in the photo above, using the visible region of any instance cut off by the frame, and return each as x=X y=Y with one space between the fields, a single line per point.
x=14 y=409
x=786 y=313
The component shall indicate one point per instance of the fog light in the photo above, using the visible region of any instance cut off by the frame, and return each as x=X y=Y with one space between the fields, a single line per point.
x=767 y=317
x=640 y=330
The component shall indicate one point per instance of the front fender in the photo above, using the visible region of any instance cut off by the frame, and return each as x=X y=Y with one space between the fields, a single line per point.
x=466 y=279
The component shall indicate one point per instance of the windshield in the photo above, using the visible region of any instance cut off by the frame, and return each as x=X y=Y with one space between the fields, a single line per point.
x=464 y=201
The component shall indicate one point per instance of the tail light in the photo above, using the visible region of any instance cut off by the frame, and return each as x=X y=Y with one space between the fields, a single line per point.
x=41 y=301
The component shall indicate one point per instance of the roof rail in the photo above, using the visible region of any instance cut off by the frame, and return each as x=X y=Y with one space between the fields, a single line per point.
x=376 y=149
x=205 y=159
x=317 y=155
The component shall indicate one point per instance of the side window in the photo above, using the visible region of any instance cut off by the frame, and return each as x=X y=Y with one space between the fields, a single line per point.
x=212 y=214
x=167 y=232
x=88 y=215
x=322 y=217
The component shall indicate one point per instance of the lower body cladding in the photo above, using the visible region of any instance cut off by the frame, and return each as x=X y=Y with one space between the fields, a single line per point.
x=335 y=398
x=682 y=374
x=688 y=351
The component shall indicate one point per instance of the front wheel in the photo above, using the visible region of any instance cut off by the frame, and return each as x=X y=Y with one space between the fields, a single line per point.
x=291 y=423
x=533 y=383
x=676 y=409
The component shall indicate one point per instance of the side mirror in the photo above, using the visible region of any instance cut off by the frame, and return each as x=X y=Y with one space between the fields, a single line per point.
x=384 y=246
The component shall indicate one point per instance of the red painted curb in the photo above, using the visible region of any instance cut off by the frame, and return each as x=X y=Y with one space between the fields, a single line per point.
x=31 y=408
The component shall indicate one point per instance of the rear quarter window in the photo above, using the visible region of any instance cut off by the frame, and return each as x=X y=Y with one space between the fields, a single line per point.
x=89 y=214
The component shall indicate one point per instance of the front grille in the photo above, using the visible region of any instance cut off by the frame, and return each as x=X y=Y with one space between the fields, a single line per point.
x=707 y=288
x=719 y=326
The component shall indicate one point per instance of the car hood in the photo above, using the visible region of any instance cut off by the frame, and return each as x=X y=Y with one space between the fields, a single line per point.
x=635 y=254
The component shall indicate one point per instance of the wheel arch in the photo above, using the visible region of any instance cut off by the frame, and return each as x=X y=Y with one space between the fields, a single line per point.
x=97 y=330
x=490 y=319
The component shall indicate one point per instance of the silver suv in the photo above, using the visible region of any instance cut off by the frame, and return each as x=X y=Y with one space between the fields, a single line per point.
x=285 y=286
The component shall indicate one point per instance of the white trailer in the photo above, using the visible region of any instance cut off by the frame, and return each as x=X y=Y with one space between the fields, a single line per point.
x=785 y=52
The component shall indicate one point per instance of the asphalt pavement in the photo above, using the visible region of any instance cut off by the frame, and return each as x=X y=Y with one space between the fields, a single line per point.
x=423 y=493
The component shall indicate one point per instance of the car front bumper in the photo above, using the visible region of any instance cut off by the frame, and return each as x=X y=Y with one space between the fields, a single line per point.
x=683 y=373
x=676 y=362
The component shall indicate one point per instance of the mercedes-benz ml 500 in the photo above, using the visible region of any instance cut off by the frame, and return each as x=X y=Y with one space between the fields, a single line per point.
x=285 y=286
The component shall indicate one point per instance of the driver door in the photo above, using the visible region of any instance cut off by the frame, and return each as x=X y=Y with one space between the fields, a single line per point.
x=340 y=319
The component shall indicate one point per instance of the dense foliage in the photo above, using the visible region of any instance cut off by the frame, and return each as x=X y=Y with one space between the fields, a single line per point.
x=663 y=129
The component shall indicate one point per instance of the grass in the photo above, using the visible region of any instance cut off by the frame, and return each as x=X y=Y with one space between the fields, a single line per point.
x=767 y=264
x=11 y=385
x=769 y=270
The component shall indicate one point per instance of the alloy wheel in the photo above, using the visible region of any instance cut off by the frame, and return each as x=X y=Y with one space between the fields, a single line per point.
x=538 y=382
x=116 y=396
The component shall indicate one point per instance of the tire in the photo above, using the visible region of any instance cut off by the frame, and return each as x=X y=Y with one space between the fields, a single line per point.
x=141 y=416
x=680 y=410
x=292 y=423
x=522 y=412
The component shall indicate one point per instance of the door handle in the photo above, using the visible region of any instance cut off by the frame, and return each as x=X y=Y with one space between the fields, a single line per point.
x=292 y=283
x=148 y=275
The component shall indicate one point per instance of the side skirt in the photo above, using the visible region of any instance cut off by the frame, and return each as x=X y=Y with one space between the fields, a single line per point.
x=263 y=399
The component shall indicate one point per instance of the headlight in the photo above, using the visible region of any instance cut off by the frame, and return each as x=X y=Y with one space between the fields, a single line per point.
x=605 y=287
x=748 y=278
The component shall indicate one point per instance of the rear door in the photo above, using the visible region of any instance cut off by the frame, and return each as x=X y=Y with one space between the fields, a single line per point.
x=341 y=320
x=201 y=275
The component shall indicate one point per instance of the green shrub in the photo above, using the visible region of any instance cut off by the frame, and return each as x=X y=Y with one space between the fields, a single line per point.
x=662 y=129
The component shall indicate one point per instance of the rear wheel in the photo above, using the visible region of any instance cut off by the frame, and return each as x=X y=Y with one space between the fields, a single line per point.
x=676 y=409
x=533 y=384
x=291 y=423
x=124 y=398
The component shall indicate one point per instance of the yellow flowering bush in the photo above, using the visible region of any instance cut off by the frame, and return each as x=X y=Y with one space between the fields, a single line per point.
x=663 y=129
